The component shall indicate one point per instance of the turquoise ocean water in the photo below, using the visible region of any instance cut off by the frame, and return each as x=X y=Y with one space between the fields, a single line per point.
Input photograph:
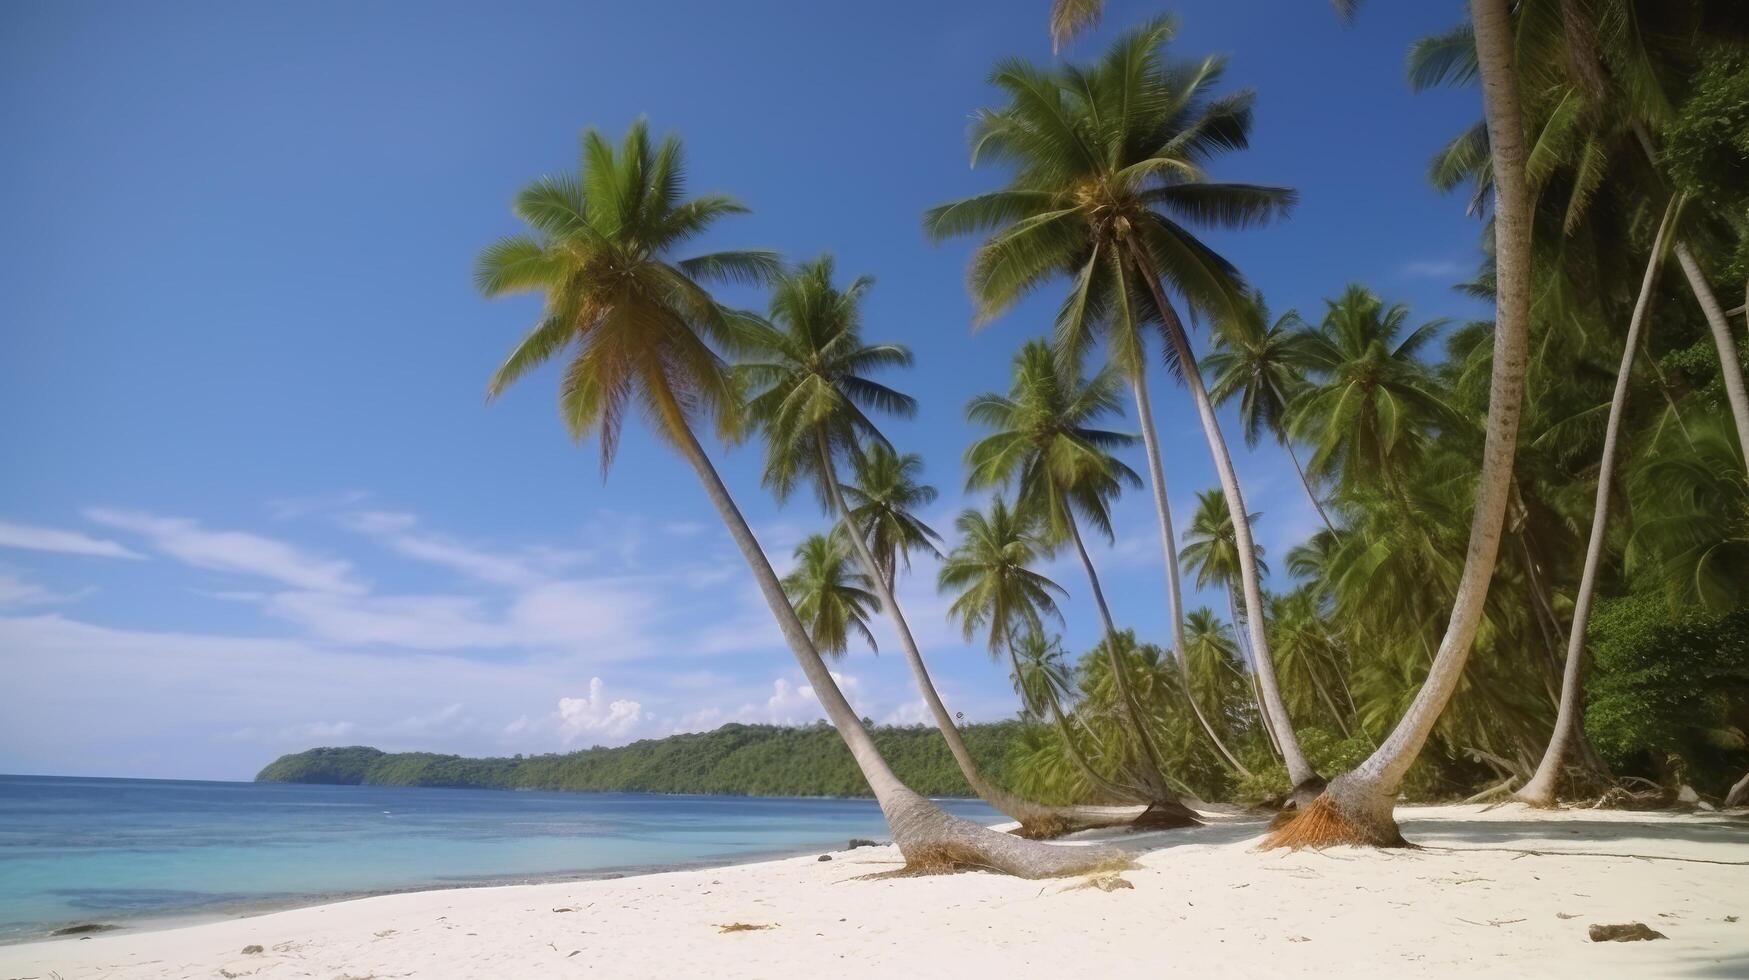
x=138 y=851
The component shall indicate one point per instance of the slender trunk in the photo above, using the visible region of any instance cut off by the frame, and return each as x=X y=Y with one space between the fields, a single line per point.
x=1540 y=791
x=1356 y=808
x=1319 y=686
x=1739 y=794
x=1111 y=633
x=1317 y=504
x=1306 y=780
x=1730 y=365
x=927 y=836
x=1035 y=819
x=1251 y=673
x=1169 y=548
x=1073 y=750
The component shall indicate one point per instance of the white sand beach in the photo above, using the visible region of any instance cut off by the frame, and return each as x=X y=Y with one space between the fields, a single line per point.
x=1510 y=892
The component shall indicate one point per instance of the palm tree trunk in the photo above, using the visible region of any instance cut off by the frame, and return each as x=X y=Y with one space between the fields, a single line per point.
x=1317 y=504
x=1356 y=807
x=1251 y=673
x=1092 y=776
x=1035 y=820
x=1169 y=547
x=1730 y=365
x=1306 y=781
x=1111 y=635
x=927 y=836
x=1540 y=791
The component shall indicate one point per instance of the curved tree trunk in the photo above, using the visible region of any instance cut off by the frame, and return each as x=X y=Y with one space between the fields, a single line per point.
x=1239 y=640
x=1730 y=365
x=1111 y=632
x=1306 y=781
x=1356 y=807
x=1036 y=820
x=1540 y=791
x=927 y=836
x=1169 y=547
x=1317 y=504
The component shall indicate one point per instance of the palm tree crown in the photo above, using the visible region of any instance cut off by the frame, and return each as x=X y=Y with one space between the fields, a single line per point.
x=831 y=597
x=1044 y=441
x=990 y=570
x=885 y=495
x=643 y=325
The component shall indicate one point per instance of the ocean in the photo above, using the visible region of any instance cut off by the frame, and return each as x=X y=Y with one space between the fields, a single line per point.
x=135 y=852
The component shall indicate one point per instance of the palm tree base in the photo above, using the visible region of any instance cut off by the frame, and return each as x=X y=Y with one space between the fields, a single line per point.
x=1301 y=797
x=934 y=842
x=1166 y=815
x=1329 y=823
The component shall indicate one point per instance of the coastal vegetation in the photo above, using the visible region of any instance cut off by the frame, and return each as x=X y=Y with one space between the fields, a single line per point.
x=1518 y=516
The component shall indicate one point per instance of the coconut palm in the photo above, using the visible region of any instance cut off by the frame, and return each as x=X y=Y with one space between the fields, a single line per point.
x=996 y=592
x=1042 y=679
x=1063 y=471
x=1357 y=806
x=807 y=371
x=1108 y=171
x=1211 y=553
x=642 y=330
x=829 y=595
x=885 y=494
x=1370 y=400
x=1540 y=790
x=1264 y=364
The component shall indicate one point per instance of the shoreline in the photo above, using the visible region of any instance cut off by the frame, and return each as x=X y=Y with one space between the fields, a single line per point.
x=1505 y=889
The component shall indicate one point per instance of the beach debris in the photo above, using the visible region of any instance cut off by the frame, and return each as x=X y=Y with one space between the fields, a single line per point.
x=572 y=953
x=745 y=926
x=564 y=908
x=1104 y=882
x=824 y=857
x=1625 y=932
x=856 y=842
x=1566 y=915
x=1730 y=918
x=253 y=949
x=84 y=929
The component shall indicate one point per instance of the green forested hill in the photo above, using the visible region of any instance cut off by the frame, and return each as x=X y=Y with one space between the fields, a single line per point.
x=742 y=760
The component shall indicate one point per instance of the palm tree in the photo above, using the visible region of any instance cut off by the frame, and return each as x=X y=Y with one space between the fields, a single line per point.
x=1357 y=806
x=831 y=598
x=1211 y=553
x=1044 y=441
x=885 y=494
x=642 y=327
x=810 y=396
x=1042 y=679
x=1371 y=399
x=1263 y=364
x=1108 y=160
x=996 y=591
x=1540 y=790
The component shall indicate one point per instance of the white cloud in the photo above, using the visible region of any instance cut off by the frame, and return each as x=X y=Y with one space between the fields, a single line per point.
x=399 y=531
x=797 y=704
x=55 y=539
x=15 y=590
x=234 y=551
x=1433 y=269
x=595 y=715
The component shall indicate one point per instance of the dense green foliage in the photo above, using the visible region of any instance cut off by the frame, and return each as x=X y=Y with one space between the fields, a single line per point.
x=734 y=760
x=1668 y=687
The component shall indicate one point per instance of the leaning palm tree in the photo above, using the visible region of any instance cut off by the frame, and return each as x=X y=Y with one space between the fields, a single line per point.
x=830 y=597
x=1211 y=553
x=1044 y=441
x=1042 y=679
x=997 y=592
x=1264 y=364
x=808 y=371
x=1540 y=790
x=1108 y=170
x=640 y=326
x=1357 y=806
x=885 y=493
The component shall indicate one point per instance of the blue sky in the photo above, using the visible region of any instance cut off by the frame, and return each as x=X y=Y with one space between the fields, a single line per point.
x=253 y=500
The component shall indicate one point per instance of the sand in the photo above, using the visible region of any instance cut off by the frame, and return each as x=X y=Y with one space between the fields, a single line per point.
x=1511 y=892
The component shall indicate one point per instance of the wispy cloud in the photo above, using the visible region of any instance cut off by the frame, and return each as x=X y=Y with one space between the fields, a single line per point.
x=234 y=551
x=34 y=538
x=1434 y=269
x=401 y=533
x=16 y=591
